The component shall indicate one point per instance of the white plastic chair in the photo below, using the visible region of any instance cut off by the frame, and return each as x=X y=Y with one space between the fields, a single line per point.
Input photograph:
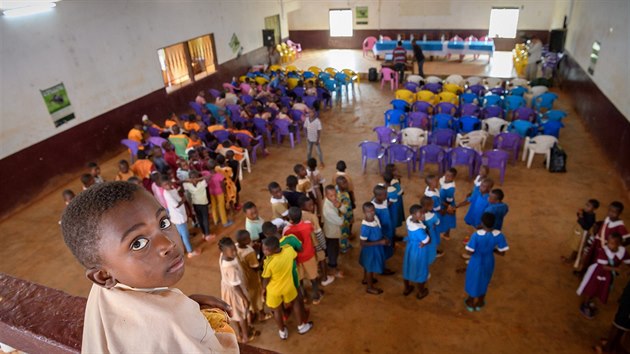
x=475 y=140
x=414 y=137
x=433 y=80
x=540 y=144
x=492 y=82
x=244 y=161
x=519 y=82
x=455 y=79
x=538 y=90
x=494 y=126
x=415 y=79
x=473 y=80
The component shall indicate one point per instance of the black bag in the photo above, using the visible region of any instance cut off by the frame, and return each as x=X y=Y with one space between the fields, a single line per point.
x=372 y=75
x=558 y=161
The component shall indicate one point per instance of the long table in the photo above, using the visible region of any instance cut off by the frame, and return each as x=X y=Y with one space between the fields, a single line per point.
x=437 y=48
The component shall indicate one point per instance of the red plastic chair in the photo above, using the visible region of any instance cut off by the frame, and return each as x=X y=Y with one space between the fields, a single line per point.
x=391 y=76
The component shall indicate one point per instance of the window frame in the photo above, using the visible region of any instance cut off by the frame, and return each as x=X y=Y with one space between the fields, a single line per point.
x=499 y=32
x=351 y=22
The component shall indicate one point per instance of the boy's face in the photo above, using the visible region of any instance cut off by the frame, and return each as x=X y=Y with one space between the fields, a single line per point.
x=301 y=173
x=613 y=213
x=95 y=171
x=492 y=198
x=251 y=213
x=588 y=208
x=276 y=193
x=331 y=195
x=309 y=206
x=229 y=252
x=369 y=213
x=613 y=244
x=123 y=167
x=485 y=187
x=432 y=183
x=380 y=196
x=448 y=177
x=90 y=182
x=418 y=215
x=139 y=246
x=269 y=251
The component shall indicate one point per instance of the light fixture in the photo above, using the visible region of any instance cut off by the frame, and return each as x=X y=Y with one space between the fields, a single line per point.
x=25 y=8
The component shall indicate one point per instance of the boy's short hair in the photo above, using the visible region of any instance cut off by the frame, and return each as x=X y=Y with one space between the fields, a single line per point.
x=425 y=199
x=388 y=176
x=341 y=166
x=367 y=205
x=80 y=222
x=414 y=209
x=297 y=168
x=487 y=220
x=616 y=236
x=220 y=159
x=295 y=214
x=379 y=188
x=248 y=205
x=273 y=185
x=86 y=178
x=194 y=174
x=225 y=242
x=617 y=205
x=330 y=187
x=312 y=163
x=123 y=162
x=499 y=193
x=241 y=235
x=594 y=203
x=67 y=192
x=453 y=171
x=92 y=164
x=271 y=242
x=133 y=179
x=292 y=181
x=269 y=229
x=340 y=178
x=302 y=200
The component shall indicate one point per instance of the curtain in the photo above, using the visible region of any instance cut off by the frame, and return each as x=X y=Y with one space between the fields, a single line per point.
x=176 y=64
x=201 y=53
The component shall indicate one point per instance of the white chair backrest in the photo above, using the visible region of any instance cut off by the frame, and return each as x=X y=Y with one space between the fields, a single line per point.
x=415 y=79
x=473 y=80
x=455 y=79
x=433 y=80
x=519 y=82
x=492 y=82
x=413 y=136
x=540 y=143
x=475 y=140
x=538 y=90
x=494 y=126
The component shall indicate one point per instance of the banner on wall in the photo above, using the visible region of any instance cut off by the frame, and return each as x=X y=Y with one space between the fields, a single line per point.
x=235 y=44
x=361 y=15
x=58 y=104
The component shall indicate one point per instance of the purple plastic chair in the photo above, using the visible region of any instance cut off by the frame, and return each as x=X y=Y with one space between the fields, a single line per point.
x=492 y=111
x=478 y=90
x=247 y=99
x=386 y=135
x=433 y=87
x=418 y=120
x=402 y=153
x=196 y=107
x=463 y=156
x=509 y=142
x=446 y=107
x=431 y=154
x=221 y=135
x=153 y=131
x=133 y=147
x=496 y=159
x=442 y=137
x=285 y=101
x=214 y=93
x=262 y=128
x=411 y=86
x=497 y=91
x=422 y=106
x=524 y=113
x=371 y=150
x=157 y=141
x=299 y=91
x=296 y=117
x=282 y=129
x=469 y=109
x=309 y=101
x=251 y=144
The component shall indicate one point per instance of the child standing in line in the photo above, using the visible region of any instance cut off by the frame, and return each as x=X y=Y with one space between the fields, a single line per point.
x=483 y=174
x=253 y=224
x=123 y=171
x=341 y=171
x=612 y=224
x=433 y=192
x=416 y=261
x=216 y=188
x=231 y=162
x=333 y=220
x=319 y=240
x=393 y=201
x=478 y=203
x=178 y=216
x=305 y=185
x=183 y=170
x=391 y=168
x=372 y=257
x=234 y=290
x=497 y=208
x=313 y=127
x=431 y=221
x=278 y=287
x=381 y=207
x=250 y=265
x=291 y=194
x=231 y=196
x=317 y=180
x=279 y=204
x=156 y=187
x=599 y=277
x=87 y=180
x=196 y=186
x=482 y=246
x=585 y=221
x=447 y=196
x=348 y=216
x=95 y=171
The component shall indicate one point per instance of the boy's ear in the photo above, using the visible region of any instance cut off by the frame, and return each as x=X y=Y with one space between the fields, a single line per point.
x=100 y=277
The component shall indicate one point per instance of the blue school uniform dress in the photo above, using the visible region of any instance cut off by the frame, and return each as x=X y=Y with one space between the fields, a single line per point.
x=372 y=258
x=431 y=221
x=477 y=183
x=385 y=220
x=416 y=261
x=447 y=195
x=401 y=203
x=437 y=207
x=394 y=206
x=481 y=264
x=499 y=210
x=477 y=206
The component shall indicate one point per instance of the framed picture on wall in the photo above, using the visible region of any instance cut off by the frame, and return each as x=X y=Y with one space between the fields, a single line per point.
x=361 y=15
x=58 y=104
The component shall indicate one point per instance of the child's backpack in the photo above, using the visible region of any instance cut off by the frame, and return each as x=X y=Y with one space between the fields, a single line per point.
x=558 y=161
x=372 y=75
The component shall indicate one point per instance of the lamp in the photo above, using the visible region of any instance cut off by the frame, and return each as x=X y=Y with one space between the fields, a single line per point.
x=25 y=8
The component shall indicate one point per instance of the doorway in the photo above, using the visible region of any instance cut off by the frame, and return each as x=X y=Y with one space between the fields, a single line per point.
x=273 y=23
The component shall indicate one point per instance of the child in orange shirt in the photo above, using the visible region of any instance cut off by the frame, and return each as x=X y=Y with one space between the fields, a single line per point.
x=123 y=171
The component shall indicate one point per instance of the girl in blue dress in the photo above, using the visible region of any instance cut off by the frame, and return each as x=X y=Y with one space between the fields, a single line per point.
x=431 y=221
x=381 y=207
x=478 y=203
x=416 y=261
x=393 y=197
x=396 y=183
x=483 y=174
x=372 y=257
x=482 y=246
x=447 y=196
x=433 y=192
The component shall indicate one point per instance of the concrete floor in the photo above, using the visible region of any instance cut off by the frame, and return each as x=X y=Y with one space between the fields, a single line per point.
x=531 y=303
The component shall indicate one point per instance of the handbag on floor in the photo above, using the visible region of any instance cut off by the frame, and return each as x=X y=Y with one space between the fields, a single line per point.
x=372 y=75
x=558 y=161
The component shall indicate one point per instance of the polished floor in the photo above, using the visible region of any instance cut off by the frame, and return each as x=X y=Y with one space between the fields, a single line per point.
x=531 y=305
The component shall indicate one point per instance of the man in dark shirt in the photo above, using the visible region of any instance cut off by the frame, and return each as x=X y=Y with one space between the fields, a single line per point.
x=417 y=52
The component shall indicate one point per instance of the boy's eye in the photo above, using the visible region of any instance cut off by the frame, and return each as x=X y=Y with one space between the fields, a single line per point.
x=165 y=223
x=139 y=244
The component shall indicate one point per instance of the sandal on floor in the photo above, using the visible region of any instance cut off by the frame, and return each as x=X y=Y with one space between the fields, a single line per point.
x=423 y=294
x=267 y=316
x=374 y=281
x=374 y=291
x=388 y=272
x=408 y=290
x=470 y=309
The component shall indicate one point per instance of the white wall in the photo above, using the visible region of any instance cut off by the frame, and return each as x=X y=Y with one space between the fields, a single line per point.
x=606 y=21
x=105 y=52
x=429 y=14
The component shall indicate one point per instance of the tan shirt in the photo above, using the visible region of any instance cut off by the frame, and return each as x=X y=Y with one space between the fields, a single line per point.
x=332 y=219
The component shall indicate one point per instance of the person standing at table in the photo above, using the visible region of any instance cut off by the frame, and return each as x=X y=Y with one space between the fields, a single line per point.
x=535 y=58
x=417 y=53
x=400 y=58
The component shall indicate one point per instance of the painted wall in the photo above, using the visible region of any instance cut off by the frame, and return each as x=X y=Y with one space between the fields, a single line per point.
x=105 y=52
x=606 y=21
x=430 y=14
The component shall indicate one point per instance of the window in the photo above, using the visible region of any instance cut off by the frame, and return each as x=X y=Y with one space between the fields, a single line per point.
x=187 y=62
x=340 y=23
x=503 y=22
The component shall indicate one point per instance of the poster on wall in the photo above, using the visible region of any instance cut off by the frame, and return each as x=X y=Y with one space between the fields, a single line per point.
x=235 y=44
x=58 y=104
x=361 y=15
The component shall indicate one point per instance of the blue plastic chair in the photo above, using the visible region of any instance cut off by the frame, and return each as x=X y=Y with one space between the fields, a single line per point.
x=521 y=127
x=554 y=114
x=468 y=98
x=463 y=156
x=400 y=105
x=513 y=102
x=308 y=75
x=544 y=100
x=492 y=100
x=371 y=150
x=518 y=91
x=394 y=117
x=467 y=124
x=552 y=128
x=443 y=121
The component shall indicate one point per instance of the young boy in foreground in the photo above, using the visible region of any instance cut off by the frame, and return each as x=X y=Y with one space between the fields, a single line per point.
x=133 y=254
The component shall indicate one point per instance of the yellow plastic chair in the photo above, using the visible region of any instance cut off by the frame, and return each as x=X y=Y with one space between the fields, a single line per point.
x=352 y=75
x=276 y=67
x=331 y=71
x=261 y=80
x=427 y=96
x=242 y=78
x=453 y=88
x=405 y=95
x=450 y=97
x=313 y=80
x=291 y=68
x=292 y=83
x=314 y=69
x=281 y=52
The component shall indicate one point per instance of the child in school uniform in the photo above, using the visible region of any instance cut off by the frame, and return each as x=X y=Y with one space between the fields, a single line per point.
x=279 y=204
x=142 y=167
x=416 y=261
x=478 y=203
x=393 y=200
x=447 y=196
x=332 y=214
x=372 y=257
x=348 y=216
x=319 y=239
x=497 y=208
x=483 y=174
x=599 y=277
x=87 y=180
x=253 y=224
x=431 y=221
x=234 y=290
x=318 y=182
x=95 y=171
x=341 y=171
x=250 y=265
x=391 y=168
x=381 y=205
x=483 y=244
x=432 y=191
x=305 y=185
x=216 y=188
x=100 y=227
x=585 y=221
x=196 y=187
x=612 y=224
x=231 y=195
x=124 y=173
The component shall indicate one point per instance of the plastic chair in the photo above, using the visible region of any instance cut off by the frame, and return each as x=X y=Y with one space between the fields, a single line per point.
x=463 y=156
x=499 y=91
x=394 y=117
x=133 y=147
x=510 y=142
x=315 y=69
x=245 y=88
x=416 y=79
x=468 y=98
x=371 y=150
x=469 y=109
x=411 y=86
x=442 y=137
x=414 y=137
x=518 y=82
x=400 y=105
x=352 y=76
x=262 y=128
x=296 y=46
x=467 y=124
x=282 y=129
x=538 y=90
x=251 y=144
x=494 y=126
x=552 y=128
x=229 y=87
x=492 y=111
x=153 y=131
x=443 y=121
x=387 y=38
x=475 y=140
x=389 y=75
x=434 y=87
x=426 y=96
x=477 y=89
x=452 y=88
x=214 y=93
x=385 y=135
x=554 y=114
x=431 y=154
x=368 y=44
x=521 y=127
x=418 y=120
x=401 y=153
x=299 y=91
x=544 y=100
x=496 y=159
x=221 y=135
x=422 y=106
x=196 y=107
x=491 y=100
x=541 y=144
x=446 y=107
x=455 y=79
x=405 y=95
x=518 y=91
x=433 y=80
x=473 y=80
x=448 y=97
x=493 y=82
x=156 y=141
x=513 y=102
x=331 y=71
x=524 y=113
